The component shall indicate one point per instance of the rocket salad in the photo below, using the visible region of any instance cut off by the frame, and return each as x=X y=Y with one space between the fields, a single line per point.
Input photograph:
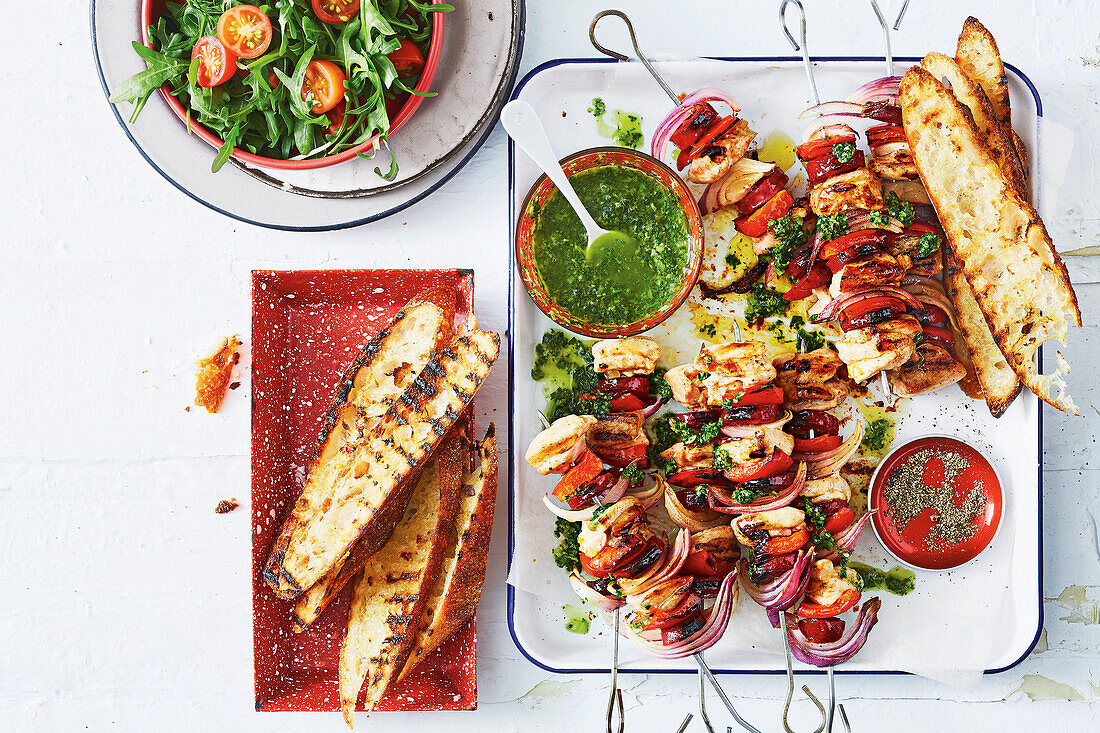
x=287 y=79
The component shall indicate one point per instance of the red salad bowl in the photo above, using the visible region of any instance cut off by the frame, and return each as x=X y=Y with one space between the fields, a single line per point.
x=536 y=200
x=151 y=10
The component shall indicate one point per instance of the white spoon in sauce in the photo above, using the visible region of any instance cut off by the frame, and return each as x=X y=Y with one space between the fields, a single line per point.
x=523 y=125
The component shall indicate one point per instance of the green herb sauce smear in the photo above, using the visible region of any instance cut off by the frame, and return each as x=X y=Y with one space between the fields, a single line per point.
x=898 y=581
x=622 y=284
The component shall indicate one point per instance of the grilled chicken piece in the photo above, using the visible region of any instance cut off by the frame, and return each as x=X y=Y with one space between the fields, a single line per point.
x=626 y=357
x=691 y=456
x=622 y=525
x=888 y=345
x=932 y=368
x=776 y=523
x=554 y=449
x=893 y=162
x=716 y=160
x=821 y=490
x=720 y=542
x=619 y=431
x=734 y=367
x=764 y=244
x=905 y=250
x=721 y=371
x=662 y=599
x=763 y=440
x=879 y=269
x=826 y=585
x=858 y=189
x=809 y=380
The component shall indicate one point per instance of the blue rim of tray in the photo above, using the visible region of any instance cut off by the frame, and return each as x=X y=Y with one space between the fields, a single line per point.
x=512 y=374
x=478 y=141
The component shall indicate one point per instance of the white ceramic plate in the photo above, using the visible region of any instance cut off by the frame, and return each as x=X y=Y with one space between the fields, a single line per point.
x=481 y=50
x=985 y=616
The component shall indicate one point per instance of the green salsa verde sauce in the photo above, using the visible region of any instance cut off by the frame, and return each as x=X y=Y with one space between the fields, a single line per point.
x=898 y=581
x=621 y=284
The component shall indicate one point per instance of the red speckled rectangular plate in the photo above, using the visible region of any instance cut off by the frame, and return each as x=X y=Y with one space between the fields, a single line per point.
x=307 y=326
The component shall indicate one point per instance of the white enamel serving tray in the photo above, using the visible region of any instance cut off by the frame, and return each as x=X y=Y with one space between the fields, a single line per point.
x=985 y=616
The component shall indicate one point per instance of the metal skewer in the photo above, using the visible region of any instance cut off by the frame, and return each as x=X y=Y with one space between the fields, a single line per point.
x=800 y=46
x=637 y=51
x=615 y=697
x=886 y=31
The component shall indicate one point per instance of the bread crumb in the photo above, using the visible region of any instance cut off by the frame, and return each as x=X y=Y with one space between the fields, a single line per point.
x=213 y=374
x=225 y=506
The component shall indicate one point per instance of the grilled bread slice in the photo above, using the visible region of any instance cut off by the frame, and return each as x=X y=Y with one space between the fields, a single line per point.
x=457 y=589
x=998 y=240
x=386 y=461
x=977 y=53
x=967 y=91
x=392 y=588
x=999 y=384
x=382 y=371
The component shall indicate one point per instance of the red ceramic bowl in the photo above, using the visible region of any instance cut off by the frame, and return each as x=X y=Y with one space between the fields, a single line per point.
x=153 y=9
x=907 y=542
x=586 y=160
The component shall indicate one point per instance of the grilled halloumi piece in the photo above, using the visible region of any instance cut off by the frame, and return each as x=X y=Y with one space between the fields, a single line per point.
x=858 y=189
x=763 y=440
x=626 y=357
x=776 y=522
x=931 y=368
x=893 y=162
x=868 y=351
x=998 y=239
x=809 y=380
x=454 y=597
x=382 y=371
x=391 y=590
x=382 y=466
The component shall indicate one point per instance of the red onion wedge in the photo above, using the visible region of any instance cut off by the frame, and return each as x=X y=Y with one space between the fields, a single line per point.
x=847 y=538
x=829 y=462
x=786 y=590
x=705 y=637
x=748 y=431
x=579 y=515
x=592 y=596
x=651 y=410
x=841 y=650
x=696 y=521
x=673 y=561
x=882 y=89
x=836 y=305
x=721 y=500
x=649 y=497
x=678 y=116
x=831 y=109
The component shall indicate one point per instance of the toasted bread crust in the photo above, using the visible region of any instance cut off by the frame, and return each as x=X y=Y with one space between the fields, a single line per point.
x=369 y=384
x=456 y=593
x=999 y=384
x=968 y=92
x=387 y=459
x=392 y=587
x=999 y=241
x=977 y=53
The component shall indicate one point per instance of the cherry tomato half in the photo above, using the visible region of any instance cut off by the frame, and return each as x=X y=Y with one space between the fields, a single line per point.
x=335 y=11
x=407 y=59
x=245 y=30
x=336 y=118
x=324 y=85
x=756 y=224
x=217 y=64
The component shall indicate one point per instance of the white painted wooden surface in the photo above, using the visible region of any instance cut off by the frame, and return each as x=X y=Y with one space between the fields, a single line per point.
x=126 y=599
